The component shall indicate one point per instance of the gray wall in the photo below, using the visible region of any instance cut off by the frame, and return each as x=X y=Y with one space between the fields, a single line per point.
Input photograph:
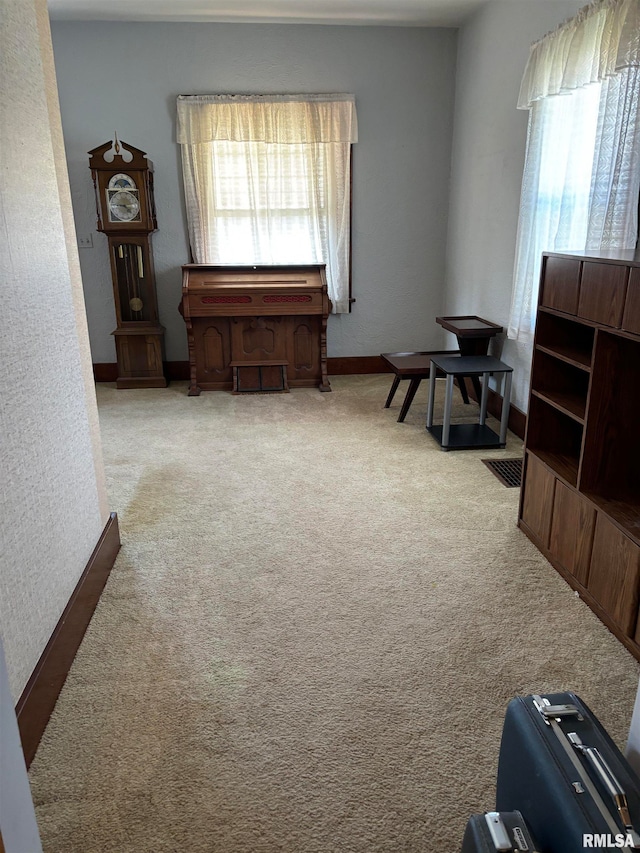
x=125 y=78
x=18 y=827
x=488 y=153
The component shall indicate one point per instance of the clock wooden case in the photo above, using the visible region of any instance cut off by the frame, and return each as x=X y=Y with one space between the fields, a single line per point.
x=123 y=182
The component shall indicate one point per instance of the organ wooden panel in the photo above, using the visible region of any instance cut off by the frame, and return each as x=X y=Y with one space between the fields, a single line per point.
x=244 y=317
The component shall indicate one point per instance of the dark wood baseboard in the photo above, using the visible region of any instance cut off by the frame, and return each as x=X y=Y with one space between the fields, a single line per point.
x=517 y=418
x=39 y=697
x=350 y=365
x=105 y=372
x=175 y=371
x=178 y=371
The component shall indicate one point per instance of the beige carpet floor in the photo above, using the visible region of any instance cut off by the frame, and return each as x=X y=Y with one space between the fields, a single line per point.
x=310 y=636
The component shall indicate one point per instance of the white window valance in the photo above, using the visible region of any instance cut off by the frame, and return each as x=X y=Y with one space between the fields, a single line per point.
x=600 y=41
x=280 y=119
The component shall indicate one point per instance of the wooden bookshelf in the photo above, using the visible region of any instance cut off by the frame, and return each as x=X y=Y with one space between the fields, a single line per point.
x=580 y=501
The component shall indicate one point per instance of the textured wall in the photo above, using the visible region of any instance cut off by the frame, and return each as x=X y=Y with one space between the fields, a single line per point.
x=52 y=498
x=125 y=77
x=487 y=162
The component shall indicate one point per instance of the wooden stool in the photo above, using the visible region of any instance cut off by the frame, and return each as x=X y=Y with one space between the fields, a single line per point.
x=415 y=367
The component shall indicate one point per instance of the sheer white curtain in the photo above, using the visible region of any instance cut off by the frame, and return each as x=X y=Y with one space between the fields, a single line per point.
x=267 y=181
x=582 y=172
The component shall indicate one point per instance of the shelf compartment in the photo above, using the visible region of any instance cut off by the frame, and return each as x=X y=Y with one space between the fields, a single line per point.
x=624 y=509
x=565 y=465
x=570 y=405
x=555 y=438
x=611 y=463
x=565 y=339
x=561 y=385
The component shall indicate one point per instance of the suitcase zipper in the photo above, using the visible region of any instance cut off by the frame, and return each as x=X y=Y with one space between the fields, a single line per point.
x=552 y=714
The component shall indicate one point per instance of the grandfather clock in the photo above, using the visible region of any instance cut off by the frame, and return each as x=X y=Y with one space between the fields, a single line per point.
x=123 y=183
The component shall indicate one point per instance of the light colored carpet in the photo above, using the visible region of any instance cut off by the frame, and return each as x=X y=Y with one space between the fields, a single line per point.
x=310 y=636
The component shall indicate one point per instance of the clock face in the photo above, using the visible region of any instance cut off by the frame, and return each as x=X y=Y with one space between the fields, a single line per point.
x=124 y=205
x=122 y=181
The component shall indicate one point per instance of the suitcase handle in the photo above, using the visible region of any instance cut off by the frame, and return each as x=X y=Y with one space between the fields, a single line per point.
x=498 y=831
x=555 y=712
x=608 y=779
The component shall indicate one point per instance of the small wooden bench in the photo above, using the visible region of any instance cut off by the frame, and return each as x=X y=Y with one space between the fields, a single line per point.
x=259 y=376
x=413 y=366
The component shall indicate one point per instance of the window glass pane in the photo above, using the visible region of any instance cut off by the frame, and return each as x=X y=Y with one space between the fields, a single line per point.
x=566 y=163
x=268 y=201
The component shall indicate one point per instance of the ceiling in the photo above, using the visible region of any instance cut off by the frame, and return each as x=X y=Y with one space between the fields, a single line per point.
x=418 y=13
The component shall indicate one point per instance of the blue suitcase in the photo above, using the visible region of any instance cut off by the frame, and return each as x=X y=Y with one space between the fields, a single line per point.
x=497 y=831
x=560 y=768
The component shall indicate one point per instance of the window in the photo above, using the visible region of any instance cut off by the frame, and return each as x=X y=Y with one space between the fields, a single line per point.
x=568 y=127
x=582 y=172
x=267 y=181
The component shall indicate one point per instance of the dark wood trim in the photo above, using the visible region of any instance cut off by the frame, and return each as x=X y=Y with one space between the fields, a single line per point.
x=39 y=697
x=517 y=418
x=351 y=365
x=105 y=371
x=178 y=371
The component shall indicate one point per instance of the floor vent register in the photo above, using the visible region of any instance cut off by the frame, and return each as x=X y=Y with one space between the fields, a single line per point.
x=508 y=471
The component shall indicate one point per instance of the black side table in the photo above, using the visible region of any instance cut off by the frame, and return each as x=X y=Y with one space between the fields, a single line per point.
x=468 y=436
